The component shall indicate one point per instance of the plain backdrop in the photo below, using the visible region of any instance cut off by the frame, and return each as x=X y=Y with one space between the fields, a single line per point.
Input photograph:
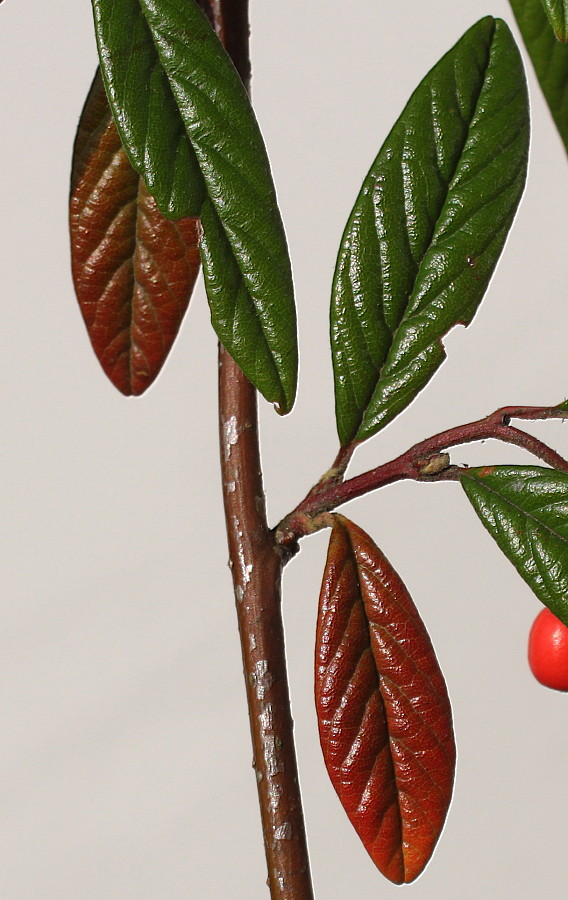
x=124 y=747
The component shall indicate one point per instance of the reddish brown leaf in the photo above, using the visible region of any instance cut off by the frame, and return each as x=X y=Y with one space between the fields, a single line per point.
x=134 y=271
x=383 y=710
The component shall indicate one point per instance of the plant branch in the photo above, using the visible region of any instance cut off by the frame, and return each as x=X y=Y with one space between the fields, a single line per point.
x=425 y=461
x=256 y=562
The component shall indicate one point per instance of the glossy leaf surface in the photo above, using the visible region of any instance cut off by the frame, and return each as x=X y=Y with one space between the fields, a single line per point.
x=383 y=710
x=145 y=109
x=133 y=270
x=549 y=58
x=176 y=95
x=557 y=12
x=236 y=320
x=427 y=228
x=526 y=510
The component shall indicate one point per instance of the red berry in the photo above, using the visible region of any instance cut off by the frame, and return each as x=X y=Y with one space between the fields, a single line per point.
x=548 y=651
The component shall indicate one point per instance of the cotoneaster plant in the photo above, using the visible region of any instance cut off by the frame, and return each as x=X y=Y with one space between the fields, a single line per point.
x=171 y=178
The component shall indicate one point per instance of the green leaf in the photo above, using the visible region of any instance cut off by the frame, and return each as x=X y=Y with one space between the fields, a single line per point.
x=144 y=109
x=178 y=101
x=526 y=510
x=428 y=227
x=557 y=12
x=549 y=58
x=240 y=325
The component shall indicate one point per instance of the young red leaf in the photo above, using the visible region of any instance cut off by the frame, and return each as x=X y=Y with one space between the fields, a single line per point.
x=383 y=710
x=134 y=270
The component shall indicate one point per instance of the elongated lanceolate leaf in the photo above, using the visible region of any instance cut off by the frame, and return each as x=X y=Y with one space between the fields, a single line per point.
x=236 y=320
x=384 y=715
x=526 y=510
x=549 y=58
x=427 y=228
x=171 y=85
x=133 y=270
x=557 y=12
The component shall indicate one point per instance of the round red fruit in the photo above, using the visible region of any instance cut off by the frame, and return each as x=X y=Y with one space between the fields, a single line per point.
x=548 y=651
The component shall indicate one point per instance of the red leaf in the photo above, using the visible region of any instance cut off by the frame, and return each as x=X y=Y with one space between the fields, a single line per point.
x=134 y=270
x=383 y=710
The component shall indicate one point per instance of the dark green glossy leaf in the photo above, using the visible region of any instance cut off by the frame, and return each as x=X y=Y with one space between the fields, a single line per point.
x=557 y=12
x=176 y=98
x=427 y=228
x=526 y=510
x=549 y=58
x=233 y=312
x=144 y=109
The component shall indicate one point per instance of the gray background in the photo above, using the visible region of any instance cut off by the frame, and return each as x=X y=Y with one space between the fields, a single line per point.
x=125 y=757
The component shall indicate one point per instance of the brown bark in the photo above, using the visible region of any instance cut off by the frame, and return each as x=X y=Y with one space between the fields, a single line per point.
x=256 y=565
x=256 y=562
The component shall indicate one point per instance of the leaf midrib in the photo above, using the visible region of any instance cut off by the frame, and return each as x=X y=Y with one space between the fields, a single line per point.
x=390 y=752
x=421 y=717
x=519 y=509
x=407 y=314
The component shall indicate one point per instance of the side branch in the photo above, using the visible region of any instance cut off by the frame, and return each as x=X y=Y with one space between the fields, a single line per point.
x=425 y=461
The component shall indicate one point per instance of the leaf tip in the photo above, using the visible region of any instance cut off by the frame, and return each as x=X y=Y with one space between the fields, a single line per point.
x=285 y=403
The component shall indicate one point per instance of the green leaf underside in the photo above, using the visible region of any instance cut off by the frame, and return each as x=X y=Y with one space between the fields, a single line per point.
x=181 y=108
x=557 y=12
x=525 y=509
x=549 y=58
x=428 y=227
